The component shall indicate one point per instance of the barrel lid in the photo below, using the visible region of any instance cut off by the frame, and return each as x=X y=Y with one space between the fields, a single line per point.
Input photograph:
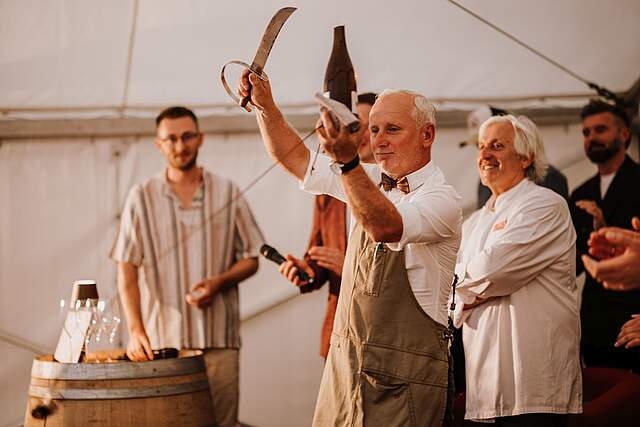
x=187 y=362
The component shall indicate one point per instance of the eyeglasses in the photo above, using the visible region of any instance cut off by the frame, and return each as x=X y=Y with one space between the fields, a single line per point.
x=186 y=138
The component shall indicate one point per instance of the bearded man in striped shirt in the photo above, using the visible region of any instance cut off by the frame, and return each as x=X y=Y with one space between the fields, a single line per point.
x=193 y=238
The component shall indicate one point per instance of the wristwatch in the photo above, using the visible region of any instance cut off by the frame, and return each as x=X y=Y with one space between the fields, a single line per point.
x=342 y=168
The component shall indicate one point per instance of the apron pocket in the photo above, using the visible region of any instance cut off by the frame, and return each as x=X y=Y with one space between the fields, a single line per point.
x=407 y=366
x=385 y=401
x=371 y=268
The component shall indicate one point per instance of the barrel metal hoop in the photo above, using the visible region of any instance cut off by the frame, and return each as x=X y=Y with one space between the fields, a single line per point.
x=120 y=393
x=114 y=371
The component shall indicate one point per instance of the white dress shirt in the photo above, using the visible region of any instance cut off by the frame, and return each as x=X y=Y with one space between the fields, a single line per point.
x=521 y=346
x=605 y=182
x=431 y=219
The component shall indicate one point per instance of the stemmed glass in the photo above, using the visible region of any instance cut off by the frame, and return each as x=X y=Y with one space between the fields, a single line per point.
x=115 y=321
x=111 y=322
x=103 y=330
x=88 y=305
x=71 y=326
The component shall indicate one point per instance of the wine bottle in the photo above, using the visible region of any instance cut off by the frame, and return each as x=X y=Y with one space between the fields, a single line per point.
x=339 y=77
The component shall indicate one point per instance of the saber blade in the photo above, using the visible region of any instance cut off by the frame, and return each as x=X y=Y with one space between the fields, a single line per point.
x=269 y=38
x=264 y=49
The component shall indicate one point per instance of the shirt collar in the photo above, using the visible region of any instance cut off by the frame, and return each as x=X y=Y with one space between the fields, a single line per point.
x=508 y=196
x=166 y=189
x=420 y=176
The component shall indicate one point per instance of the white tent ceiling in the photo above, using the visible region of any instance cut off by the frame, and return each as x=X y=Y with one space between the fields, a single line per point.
x=143 y=55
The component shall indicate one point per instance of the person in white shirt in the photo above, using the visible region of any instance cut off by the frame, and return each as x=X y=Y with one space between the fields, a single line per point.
x=388 y=359
x=517 y=297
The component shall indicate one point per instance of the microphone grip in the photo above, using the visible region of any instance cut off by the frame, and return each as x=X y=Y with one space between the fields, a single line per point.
x=272 y=254
x=302 y=275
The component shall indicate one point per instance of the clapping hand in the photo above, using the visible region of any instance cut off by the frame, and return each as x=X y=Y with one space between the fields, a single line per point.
x=327 y=257
x=618 y=257
x=594 y=210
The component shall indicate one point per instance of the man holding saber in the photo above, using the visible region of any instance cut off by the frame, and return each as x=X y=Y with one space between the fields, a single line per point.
x=388 y=361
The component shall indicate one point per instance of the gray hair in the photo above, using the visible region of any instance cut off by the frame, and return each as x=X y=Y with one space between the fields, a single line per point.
x=423 y=110
x=528 y=143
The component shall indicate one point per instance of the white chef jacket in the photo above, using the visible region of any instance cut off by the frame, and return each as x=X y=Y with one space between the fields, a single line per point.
x=431 y=221
x=521 y=347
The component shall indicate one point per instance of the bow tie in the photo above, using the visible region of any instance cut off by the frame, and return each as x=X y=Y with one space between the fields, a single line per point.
x=401 y=184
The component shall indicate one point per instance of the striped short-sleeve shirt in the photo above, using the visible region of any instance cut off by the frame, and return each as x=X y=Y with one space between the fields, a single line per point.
x=176 y=248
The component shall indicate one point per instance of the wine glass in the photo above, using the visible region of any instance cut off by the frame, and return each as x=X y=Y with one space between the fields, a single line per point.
x=110 y=319
x=87 y=305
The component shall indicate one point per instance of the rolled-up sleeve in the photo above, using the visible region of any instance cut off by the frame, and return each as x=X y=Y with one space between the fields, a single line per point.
x=429 y=216
x=319 y=179
x=248 y=238
x=127 y=246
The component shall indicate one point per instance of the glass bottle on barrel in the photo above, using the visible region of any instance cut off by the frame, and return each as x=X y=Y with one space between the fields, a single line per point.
x=339 y=77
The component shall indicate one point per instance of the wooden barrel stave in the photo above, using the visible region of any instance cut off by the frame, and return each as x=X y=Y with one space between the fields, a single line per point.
x=141 y=394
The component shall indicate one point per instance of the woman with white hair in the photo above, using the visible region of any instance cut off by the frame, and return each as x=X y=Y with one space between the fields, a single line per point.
x=517 y=291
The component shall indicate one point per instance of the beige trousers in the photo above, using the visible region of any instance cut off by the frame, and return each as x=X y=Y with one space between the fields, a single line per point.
x=223 y=367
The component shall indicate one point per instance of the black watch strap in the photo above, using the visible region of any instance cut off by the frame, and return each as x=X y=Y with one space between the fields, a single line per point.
x=350 y=165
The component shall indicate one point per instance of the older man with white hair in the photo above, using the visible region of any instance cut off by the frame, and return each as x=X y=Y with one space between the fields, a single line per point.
x=388 y=360
x=518 y=299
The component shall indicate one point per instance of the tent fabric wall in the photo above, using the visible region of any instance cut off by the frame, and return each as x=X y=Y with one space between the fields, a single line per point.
x=54 y=224
x=59 y=204
x=60 y=200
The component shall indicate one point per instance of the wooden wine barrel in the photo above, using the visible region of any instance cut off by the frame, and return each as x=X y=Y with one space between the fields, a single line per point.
x=168 y=392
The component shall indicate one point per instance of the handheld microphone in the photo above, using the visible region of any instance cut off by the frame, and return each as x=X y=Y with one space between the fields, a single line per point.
x=273 y=255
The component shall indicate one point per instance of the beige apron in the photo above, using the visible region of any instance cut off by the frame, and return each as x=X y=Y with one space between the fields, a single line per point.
x=387 y=364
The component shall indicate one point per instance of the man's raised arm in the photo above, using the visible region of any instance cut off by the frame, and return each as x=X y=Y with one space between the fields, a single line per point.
x=280 y=139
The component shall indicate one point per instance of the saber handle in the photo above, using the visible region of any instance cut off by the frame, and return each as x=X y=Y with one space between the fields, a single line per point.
x=253 y=70
x=244 y=101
